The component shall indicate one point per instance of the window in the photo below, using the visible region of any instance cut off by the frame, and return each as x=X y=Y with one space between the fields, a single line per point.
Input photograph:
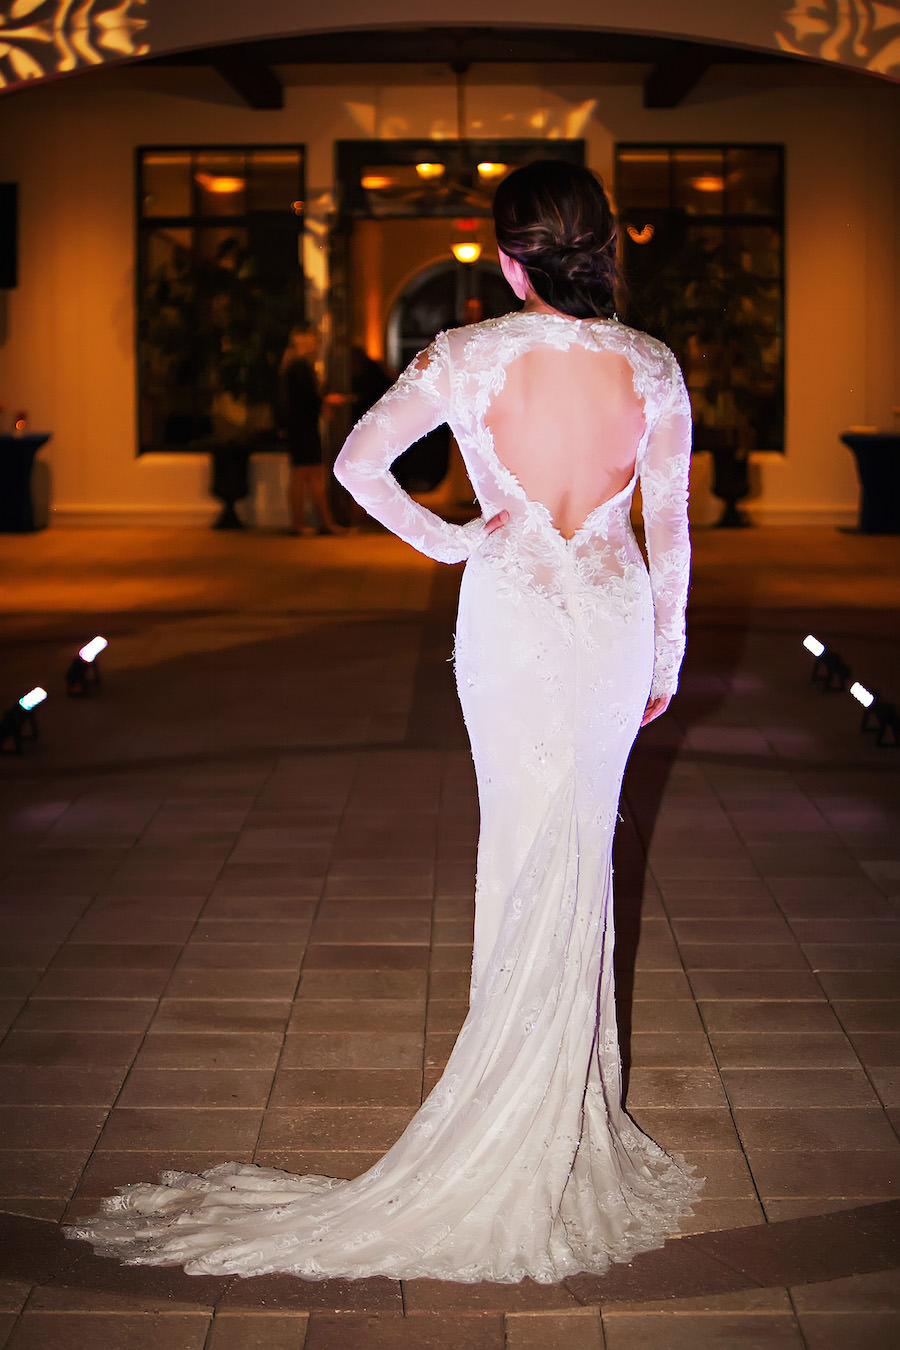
x=703 y=249
x=219 y=286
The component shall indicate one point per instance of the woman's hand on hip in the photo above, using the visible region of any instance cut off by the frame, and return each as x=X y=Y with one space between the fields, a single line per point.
x=655 y=708
x=496 y=522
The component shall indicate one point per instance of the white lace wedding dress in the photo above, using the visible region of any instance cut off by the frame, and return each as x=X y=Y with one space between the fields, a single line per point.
x=522 y=1160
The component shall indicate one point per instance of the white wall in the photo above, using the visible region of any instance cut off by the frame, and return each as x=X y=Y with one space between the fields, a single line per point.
x=66 y=349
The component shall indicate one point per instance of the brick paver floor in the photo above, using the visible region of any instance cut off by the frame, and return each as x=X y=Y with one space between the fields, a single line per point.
x=237 y=907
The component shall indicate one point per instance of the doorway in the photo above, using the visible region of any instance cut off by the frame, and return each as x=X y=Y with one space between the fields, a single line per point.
x=408 y=211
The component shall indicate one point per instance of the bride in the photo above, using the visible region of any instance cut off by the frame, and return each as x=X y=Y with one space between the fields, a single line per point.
x=522 y=1161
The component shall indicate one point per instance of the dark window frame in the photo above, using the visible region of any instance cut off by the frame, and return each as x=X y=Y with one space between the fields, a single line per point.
x=144 y=224
x=722 y=219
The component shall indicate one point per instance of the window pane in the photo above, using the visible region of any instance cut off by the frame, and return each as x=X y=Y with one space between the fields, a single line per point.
x=218 y=293
x=223 y=246
x=172 y=403
x=713 y=290
x=698 y=181
x=642 y=178
x=752 y=181
x=166 y=183
x=273 y=180
x=220 y=184
x=164 y=249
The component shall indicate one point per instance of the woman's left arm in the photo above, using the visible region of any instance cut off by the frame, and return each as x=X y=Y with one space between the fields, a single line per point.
x=664 y=488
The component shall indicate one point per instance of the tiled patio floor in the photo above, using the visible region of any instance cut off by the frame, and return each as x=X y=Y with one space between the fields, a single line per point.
x=236 y=908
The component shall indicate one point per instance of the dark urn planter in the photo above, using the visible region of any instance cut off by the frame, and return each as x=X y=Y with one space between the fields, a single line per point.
x=17 y=452
x=731 y=484
x=230 y=482
x=877 y=455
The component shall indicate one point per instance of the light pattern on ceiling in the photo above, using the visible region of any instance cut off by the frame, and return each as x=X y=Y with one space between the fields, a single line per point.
x=864 y=33
x=51 y=37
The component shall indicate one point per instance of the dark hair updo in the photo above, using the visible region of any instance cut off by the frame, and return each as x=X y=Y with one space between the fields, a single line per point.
x=555 y=219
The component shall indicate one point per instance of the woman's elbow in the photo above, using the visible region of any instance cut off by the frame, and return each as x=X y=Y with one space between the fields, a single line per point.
x=343 y=470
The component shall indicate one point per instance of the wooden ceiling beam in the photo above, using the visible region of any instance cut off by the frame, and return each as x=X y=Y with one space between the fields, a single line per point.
x=446 y=45
x=671 y=81
x=256 y=83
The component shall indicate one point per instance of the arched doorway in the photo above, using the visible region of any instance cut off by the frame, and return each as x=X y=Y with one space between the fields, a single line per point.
x=443 y=295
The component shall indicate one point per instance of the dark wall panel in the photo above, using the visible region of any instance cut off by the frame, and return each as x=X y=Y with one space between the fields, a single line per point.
x=9 y=194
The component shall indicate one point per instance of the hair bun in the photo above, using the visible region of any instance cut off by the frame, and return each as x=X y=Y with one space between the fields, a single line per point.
x=575 y=260
x=555 y=219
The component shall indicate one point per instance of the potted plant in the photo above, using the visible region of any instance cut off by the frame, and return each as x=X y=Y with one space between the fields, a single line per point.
x=212 y=333
x=722 y=322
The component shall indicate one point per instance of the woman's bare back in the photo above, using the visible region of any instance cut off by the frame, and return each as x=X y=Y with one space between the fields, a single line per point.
x=568 y=424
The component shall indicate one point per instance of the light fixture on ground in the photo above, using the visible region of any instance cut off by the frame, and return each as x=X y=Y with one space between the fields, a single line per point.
x=83 y=675
x=878 y=716
x=862 y=694
x=18 y=722
x=829 y=669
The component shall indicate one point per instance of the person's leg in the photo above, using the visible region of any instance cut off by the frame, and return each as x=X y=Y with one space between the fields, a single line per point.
x=298 y=493
x=319 y=494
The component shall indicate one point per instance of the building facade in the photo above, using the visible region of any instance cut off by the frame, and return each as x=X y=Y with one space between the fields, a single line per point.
x=69 y=330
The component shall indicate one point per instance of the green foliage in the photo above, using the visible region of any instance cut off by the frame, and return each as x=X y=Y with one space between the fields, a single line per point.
x=217 y=324
x=722 y=319
x=708 y=305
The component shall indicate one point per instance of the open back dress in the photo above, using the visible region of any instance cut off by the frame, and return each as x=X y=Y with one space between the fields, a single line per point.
x=522 y=1160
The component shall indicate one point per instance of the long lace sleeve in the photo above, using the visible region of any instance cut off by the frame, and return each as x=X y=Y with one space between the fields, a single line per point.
x=415 y=405
x=664 y=487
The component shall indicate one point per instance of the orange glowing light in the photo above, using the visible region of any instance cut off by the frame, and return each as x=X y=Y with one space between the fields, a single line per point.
x=708 y=182
x=373 y=182
x=221 y=184
x=431 y=171
x=488 y=170
x=640 y=236
x=466 y=252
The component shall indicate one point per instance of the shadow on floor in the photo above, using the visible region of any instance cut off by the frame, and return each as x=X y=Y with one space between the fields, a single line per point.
x=764 y=1256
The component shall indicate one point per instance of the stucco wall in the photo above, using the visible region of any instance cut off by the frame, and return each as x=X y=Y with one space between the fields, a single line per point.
x=66 y=340
x=852 y=33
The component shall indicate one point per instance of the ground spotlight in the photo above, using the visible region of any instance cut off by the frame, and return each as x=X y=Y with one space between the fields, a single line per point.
x=18 y=722
x=828 y=667
x=862 y=694
x=83 y=675
x=878 y=716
